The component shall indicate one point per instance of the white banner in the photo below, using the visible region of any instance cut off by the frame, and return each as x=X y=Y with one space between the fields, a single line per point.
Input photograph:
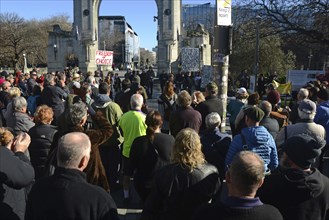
x=104 y=57
x=224 y=12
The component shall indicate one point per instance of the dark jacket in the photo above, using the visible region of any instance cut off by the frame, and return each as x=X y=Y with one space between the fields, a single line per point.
x=212 y=104
x=184 y=118
x=52 y=96
x=95 y=170
x=238 y=209
x=41 y=139
x=271 y=125
x=177 y=191
x=15 y=174
x=298 y=195
x=67 y=195
x=215 y=146
x=146 y=158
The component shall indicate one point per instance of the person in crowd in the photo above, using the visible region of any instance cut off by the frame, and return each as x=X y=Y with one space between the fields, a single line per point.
x=215 y=144
x=123 y=97
x=75 y=120
x=42 y=135
x=261 y=81
x=306 y=124
x=132 y=125
x=34 y=100
x=110 y=150
x=4 y=94
x=269 y=123
x=235 y=106
x=254 y=138
x=322 y=110
x=31 y=82
x=244 y=79
x=252 y=101
x=20 y=121
x=301 y=95
x=163 y=78
x=298 y=191
x=197 y=98
x=13 y=93
x=243 y=178
x=184 y=116
x=149 y=153
x=211 y=104
x=75 y=78
x=16 y=173
x=52 y=97
x=167 y=104
x=67 y=194
x=179 y=188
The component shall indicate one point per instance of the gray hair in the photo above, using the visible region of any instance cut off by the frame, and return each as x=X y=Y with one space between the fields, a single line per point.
x=49 y=79
x=213 y=120
x=266 y=106
x=19 y=103
x=136 y=101
x=77 y=112
x=184 y=99
x=303 y=93
x=72 y=147
x=304 y=115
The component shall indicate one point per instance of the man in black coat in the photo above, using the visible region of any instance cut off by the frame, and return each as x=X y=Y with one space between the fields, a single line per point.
x=243 y=178
x=16 y=173
x=66 y=194
x=212 y=104
x=271 y=124
x=184 y=116
x=298 y=191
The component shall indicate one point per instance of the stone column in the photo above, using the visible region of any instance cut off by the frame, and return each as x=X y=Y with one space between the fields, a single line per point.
x=169 y=29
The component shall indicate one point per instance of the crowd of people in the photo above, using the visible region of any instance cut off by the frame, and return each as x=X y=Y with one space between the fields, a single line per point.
x=70 y=139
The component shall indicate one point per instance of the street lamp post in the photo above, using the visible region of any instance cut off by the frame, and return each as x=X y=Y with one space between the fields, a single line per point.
x=258 y=20
x=55 y=51
x=25 y=70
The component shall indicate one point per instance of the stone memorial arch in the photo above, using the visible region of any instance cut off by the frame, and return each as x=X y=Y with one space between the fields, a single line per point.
x=82 y=42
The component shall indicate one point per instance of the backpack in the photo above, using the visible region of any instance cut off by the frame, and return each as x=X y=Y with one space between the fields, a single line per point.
x=168 y=108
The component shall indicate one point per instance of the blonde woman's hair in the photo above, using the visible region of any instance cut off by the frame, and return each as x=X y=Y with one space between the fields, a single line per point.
x=14 y=92
x=5 y=136
x=187 y=149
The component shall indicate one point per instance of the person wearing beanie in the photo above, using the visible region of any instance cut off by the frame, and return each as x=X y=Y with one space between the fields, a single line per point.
x=306 y=111
x=298 y=190
x=255 y=138
x=322 y=110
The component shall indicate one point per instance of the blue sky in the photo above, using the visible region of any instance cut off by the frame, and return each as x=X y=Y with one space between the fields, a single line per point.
x=139 y=13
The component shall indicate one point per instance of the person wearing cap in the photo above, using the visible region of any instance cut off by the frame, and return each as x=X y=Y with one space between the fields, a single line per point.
x=212 y=104
x=244 y=177
x=322 y=110
x=235 y=106
x=302 y=94
x=298 y=190
x=306 y=124
x=254 y=138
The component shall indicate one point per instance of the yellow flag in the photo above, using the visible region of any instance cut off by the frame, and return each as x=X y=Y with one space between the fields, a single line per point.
x=284 y=88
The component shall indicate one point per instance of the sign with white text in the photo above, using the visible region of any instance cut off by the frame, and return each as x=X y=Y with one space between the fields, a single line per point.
x=224 y=12
x=104 y=57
